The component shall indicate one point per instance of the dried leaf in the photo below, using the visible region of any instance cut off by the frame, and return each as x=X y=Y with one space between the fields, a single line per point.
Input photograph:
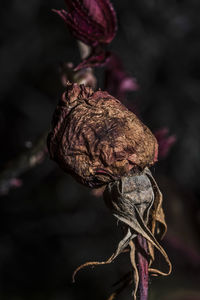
x=135 y=201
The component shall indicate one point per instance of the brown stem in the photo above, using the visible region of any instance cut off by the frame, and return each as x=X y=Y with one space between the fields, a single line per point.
x=142 y=268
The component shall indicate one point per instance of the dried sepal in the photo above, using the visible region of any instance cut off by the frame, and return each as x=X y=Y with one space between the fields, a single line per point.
x=158 y=226
x=136 y=202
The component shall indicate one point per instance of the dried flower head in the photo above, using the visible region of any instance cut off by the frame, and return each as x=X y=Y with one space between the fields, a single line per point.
x=100 y=142
x=97 y=139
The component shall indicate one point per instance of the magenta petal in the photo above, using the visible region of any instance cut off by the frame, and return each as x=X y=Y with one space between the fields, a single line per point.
x=92 y=22
x=111 y=19
x=78 y=10
x=80 y=28
x=95 y=11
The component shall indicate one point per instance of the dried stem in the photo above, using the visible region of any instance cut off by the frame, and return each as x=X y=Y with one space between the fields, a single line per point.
x=142 y=268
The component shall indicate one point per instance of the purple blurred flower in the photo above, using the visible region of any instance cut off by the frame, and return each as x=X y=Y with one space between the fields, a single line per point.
x=117 y=81
x=165 y=141
x=92 y=22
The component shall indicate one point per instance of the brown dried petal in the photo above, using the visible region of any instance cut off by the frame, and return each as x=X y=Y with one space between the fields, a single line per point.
x=98 y=139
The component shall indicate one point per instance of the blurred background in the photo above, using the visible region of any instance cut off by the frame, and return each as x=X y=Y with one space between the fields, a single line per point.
x=51 y=224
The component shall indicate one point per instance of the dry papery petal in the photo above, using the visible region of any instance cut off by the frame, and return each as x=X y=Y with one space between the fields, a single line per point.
x=97 y=139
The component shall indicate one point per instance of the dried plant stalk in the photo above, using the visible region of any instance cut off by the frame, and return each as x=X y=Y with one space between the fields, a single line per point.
x=100 y=142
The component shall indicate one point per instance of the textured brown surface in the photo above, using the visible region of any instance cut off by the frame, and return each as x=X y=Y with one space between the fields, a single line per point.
x=96 y=139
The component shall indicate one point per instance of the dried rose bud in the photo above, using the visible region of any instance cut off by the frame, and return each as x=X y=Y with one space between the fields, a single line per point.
x=92 y=22
x=97 y=139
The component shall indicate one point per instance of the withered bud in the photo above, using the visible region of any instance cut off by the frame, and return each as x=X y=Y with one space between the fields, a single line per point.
x=97 y=139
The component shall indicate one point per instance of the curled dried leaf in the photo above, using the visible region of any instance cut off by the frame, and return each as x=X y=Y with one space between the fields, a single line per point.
x=136 y=202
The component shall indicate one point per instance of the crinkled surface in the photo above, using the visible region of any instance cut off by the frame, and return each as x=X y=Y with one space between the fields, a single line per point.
x=96 y=139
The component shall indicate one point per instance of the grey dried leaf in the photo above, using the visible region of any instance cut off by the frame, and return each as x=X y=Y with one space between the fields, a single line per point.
x=136 y=202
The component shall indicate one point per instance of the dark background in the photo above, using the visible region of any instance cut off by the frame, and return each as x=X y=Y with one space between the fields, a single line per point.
x=52 y=224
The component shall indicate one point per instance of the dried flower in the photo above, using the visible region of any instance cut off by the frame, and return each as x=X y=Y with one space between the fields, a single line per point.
x=92 y=22
x=98 y=139
x=136 y=201
x=100 y=142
